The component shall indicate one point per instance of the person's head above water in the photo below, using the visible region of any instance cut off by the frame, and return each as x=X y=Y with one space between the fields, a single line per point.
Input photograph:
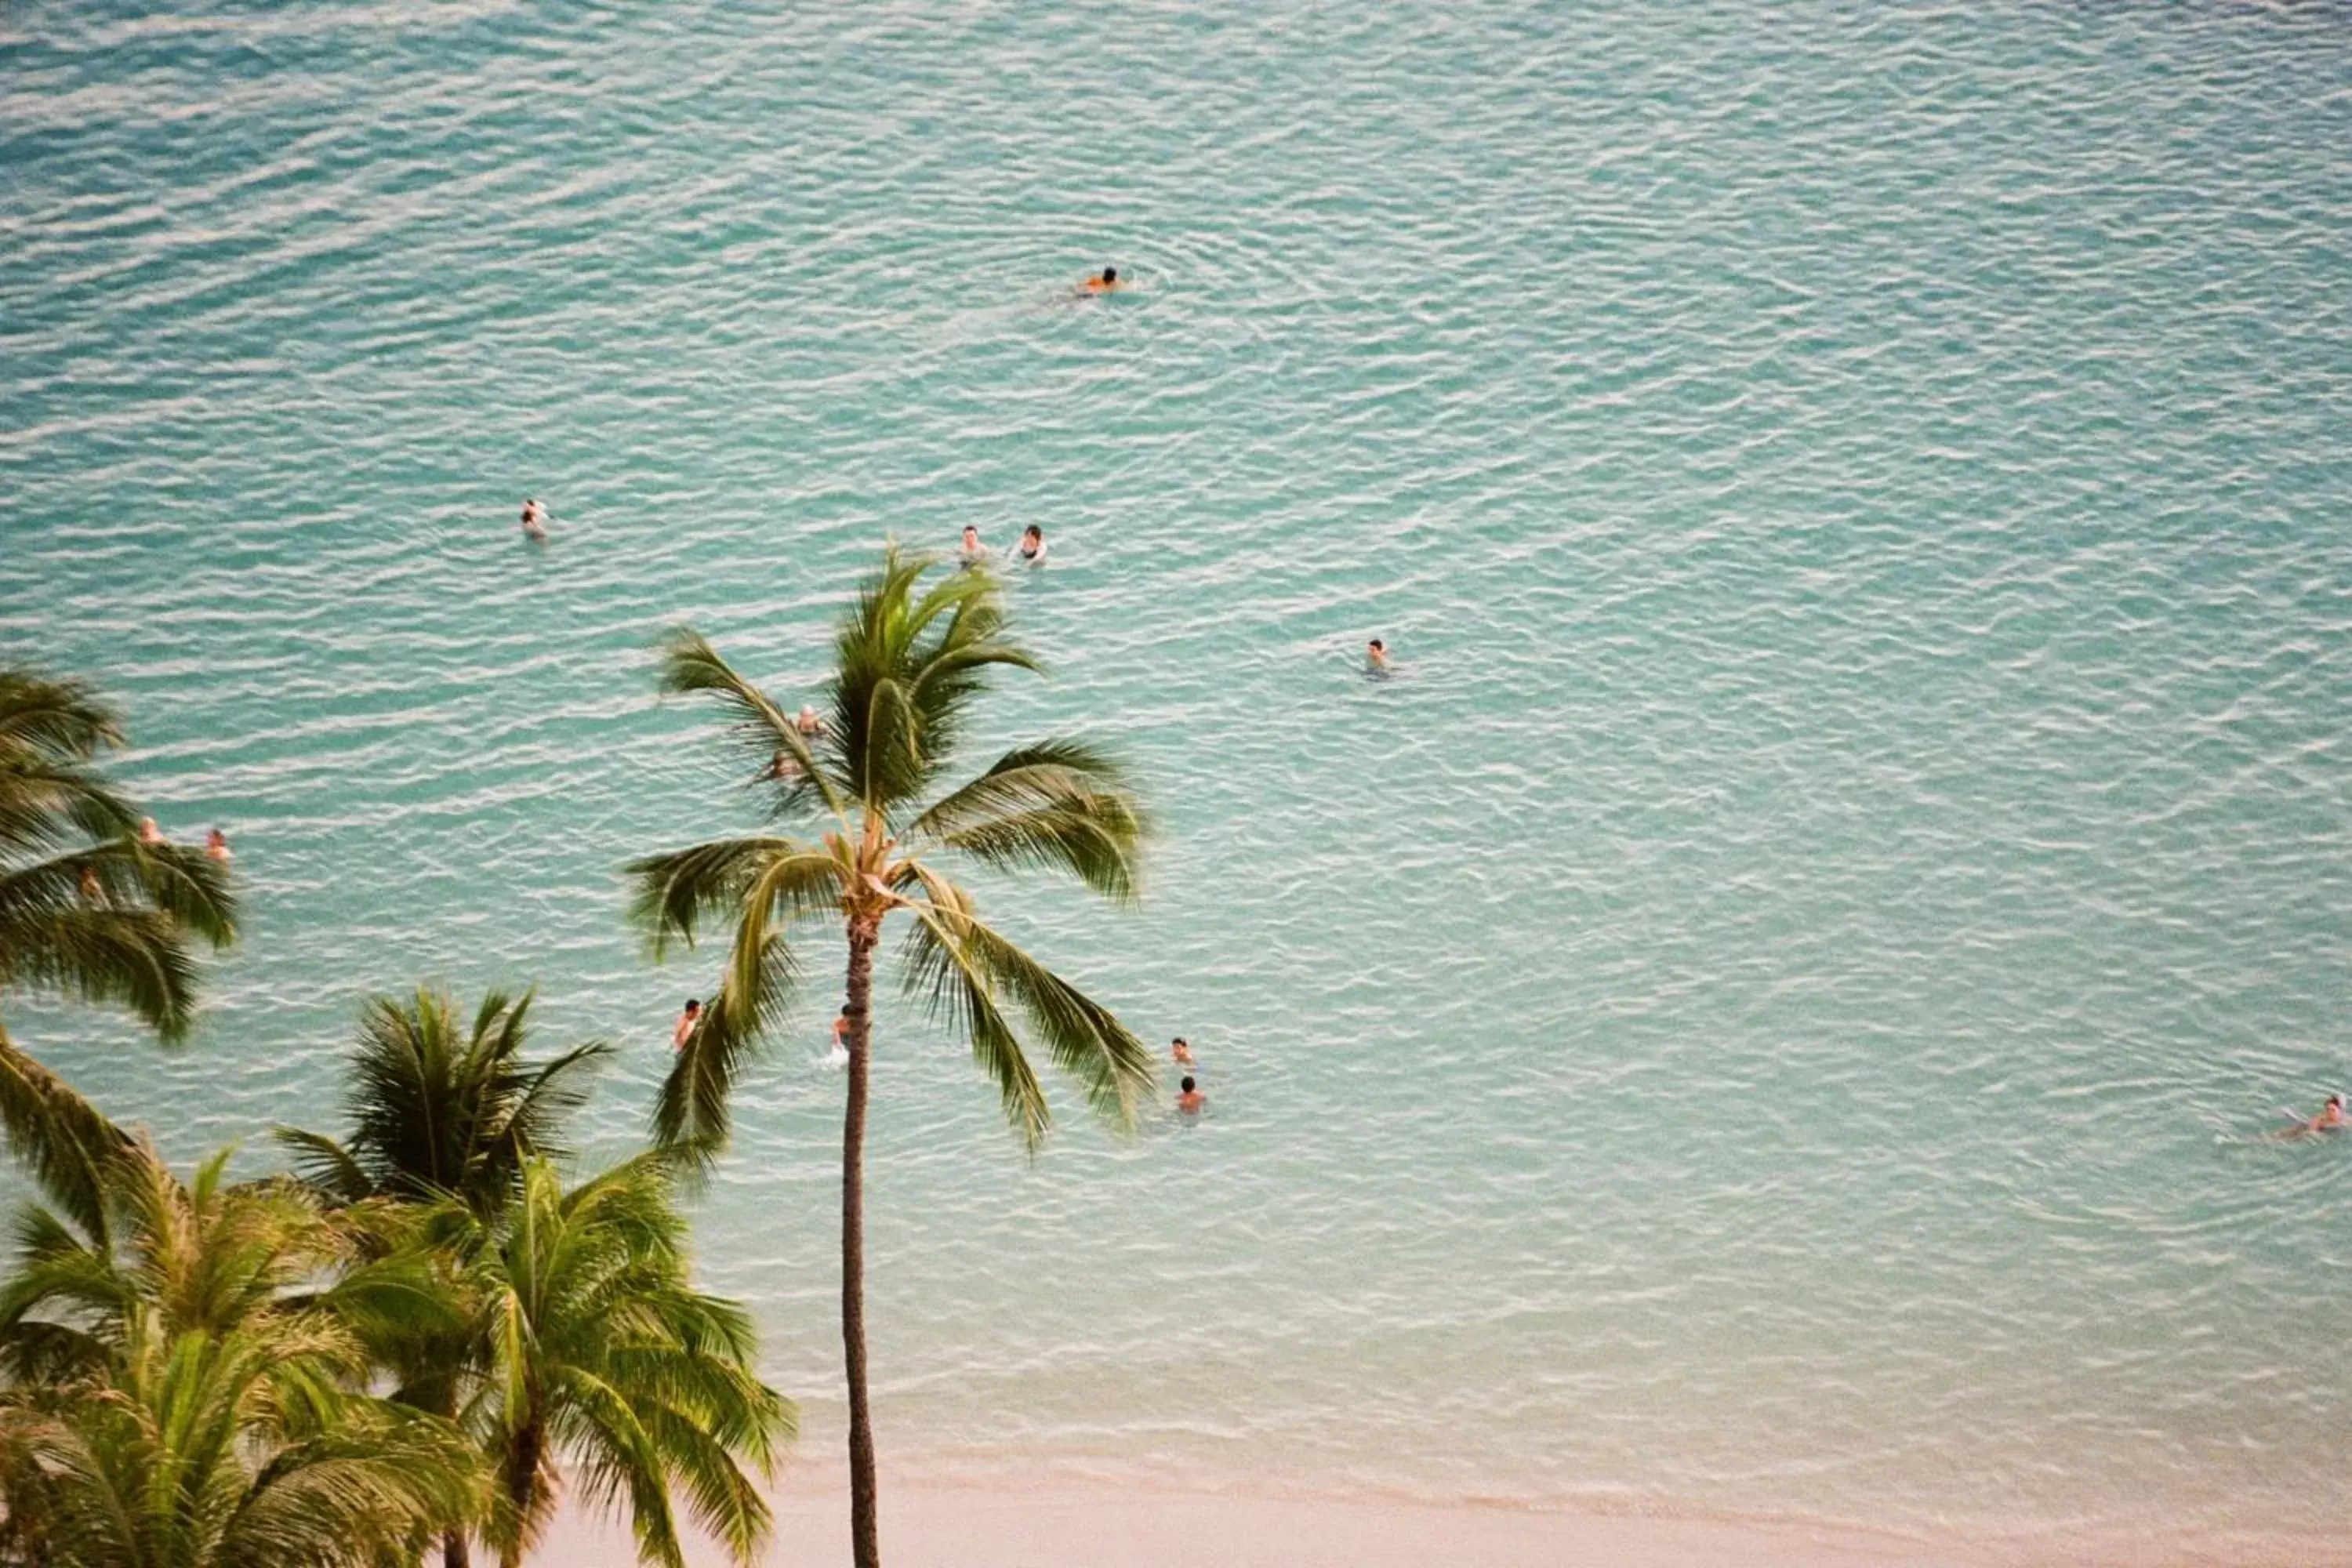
x=1377 y=646
x=1033 y=534
x=693 y=1004
x=1188 y=1085
x=1110 y=274
x=970 y=535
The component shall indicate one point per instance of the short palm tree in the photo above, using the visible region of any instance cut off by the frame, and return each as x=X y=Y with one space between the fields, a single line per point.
x=436 y=1114
x=187 y=1452
x=438 y=1111
x=87 y=909
x=910 y=656
x=184 y=1393
x=599 y=1350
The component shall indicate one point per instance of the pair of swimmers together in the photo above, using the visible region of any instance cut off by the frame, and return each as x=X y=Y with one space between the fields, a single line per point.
x=1030 y=553
x=691 y=1019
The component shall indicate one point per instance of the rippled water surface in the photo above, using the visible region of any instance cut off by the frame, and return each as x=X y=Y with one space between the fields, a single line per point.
x=1770 y=1009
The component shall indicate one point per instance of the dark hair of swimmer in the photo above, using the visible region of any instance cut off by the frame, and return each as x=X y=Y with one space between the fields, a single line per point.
x=1178 y=1040
x=1188 y=1086
x=1378 y=644
x=2335 y=1100
x=1034 y=532
x=1110 y=274
x=693 y=1004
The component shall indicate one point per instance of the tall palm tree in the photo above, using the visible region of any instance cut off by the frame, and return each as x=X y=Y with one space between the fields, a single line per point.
x=909 y=661
x=436 y=1113
x=183 y=1393
x=87 y=909
x=601 y=1351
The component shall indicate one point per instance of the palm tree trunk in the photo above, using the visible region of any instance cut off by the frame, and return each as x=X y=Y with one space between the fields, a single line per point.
x=524 y=1449
x=452 y=1549
x=864 y=1540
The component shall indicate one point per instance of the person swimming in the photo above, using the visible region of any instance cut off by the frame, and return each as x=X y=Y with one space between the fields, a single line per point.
x=534 y=521
x=971 y=552
x=216 y=846
x=1103 y=284
x=1376 y=658
x=2331 y=1118
x=688 y=1022
x=839 y=1055
x=1180 y=1053
x=148 y=832
x=1033 y=544
x=1191 y=1099
x=807 y=722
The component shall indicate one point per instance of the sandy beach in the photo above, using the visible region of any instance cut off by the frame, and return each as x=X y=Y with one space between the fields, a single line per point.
x=1058 y=1523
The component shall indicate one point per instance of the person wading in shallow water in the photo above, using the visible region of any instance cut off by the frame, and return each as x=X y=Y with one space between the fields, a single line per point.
x=1191 y=1099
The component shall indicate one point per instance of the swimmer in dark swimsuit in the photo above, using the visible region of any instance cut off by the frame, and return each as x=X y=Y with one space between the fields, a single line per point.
x=1033 y=544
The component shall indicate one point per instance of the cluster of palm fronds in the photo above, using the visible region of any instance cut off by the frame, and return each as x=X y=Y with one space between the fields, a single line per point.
x=400 y=1349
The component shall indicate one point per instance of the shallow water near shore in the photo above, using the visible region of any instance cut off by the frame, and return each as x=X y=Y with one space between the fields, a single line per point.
x=1772 y=1008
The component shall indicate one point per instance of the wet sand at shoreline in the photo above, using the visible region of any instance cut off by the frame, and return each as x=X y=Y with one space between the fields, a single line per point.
x=1058 y=1523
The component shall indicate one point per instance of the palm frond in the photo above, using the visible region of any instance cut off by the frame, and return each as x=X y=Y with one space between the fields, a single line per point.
x=67 y=1144
x=689 y=665
x=1056 y=804
x=133 y=957
x=52 y=717
x=1085 y=1038
x=324 y=1163
x=906 y=669
x=939 y=968
x=674 y=892
x=792 y=881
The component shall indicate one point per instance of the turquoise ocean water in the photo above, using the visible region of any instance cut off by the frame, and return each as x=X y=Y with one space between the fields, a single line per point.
x=1767 y=1011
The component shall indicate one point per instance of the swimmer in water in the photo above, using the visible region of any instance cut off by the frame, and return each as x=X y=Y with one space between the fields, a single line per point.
x=840 y=1054
x=1191 y=1099
x=688 y=1022
x=2331 y=1118
x=1033 y=544
x=534 y=521
x=971 y=553
x=1105 y=284
x=807 y=722
x=148 y=832
x=1180 y=1053
x=1376 y=658
x=216 y=846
